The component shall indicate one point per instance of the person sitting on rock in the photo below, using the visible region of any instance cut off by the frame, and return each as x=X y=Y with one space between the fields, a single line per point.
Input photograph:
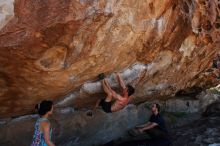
x=155 y=128
x=107 y=104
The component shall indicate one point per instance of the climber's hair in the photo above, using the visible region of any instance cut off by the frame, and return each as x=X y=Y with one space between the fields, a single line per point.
x=44 y=107
x=130 y=89
x=157 y=106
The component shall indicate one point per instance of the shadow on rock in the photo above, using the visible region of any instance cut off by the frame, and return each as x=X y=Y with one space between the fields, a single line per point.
x=212 y=110
x=152 y=142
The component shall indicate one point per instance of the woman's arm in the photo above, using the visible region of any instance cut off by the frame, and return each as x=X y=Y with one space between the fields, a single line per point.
x=46 y=131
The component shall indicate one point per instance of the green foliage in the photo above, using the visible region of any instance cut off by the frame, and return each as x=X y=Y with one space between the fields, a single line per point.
x=214 y=91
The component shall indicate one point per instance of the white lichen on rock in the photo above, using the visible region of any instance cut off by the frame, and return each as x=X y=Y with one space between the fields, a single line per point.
x=6 y=12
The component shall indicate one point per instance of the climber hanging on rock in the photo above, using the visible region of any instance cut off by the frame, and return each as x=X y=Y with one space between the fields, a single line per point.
x=120 y=101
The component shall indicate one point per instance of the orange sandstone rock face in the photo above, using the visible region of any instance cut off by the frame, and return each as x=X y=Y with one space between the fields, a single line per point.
x=49 y=49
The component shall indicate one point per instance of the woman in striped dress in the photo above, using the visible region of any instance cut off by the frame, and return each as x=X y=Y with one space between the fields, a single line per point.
x=43 y=131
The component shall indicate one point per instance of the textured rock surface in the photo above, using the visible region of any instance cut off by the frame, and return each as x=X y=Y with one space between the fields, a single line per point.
x=74 y=128
x=199 y=132
x=203 y=132
x=6 y=11
x=50 y=48
x=77 y=128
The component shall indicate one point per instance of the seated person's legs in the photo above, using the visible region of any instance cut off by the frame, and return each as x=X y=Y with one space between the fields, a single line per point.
x=137 y=135
x=156 y=133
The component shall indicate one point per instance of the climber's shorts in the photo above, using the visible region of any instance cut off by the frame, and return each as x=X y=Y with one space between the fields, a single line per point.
x=106 y=106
